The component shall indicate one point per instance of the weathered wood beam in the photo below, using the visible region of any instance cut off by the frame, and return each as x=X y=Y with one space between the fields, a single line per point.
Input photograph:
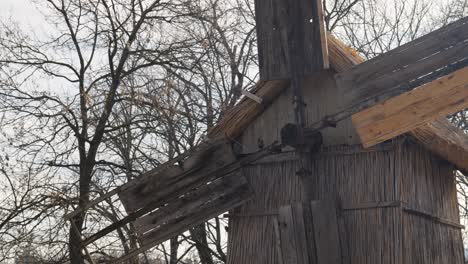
x=308 y=233
x=444 y=139
x=412 y=109
x=203 y=147
x=175 y=190
x=196 y=207
x=407 y=63
x=281 y=25
x=440 y=137
x=200 y=205
x=154 y=189
x=236 y=120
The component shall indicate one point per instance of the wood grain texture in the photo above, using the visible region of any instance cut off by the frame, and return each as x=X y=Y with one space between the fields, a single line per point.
x=169 y=181
x=282 y=26
x=326 y=235
x=189 y=210
x=291 y=245
x=407 y=62
x=194 y=208
x=410 y=110
x=236 y=120
x=342 y=57
x=190 y=202
x=200 y=167
x=444 y=139
x=309 y=233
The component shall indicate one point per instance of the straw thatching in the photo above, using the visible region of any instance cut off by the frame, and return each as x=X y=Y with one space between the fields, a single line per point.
x=398 y=205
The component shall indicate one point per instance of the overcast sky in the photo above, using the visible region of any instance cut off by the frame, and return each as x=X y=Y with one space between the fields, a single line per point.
x=23 y=11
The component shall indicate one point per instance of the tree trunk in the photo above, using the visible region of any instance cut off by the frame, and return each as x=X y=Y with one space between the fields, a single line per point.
x=198 y=234
x=174 y=259
x=74 y=241
x=75 y=247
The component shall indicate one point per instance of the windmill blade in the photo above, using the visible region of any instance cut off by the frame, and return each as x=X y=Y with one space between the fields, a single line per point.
x=407 y=63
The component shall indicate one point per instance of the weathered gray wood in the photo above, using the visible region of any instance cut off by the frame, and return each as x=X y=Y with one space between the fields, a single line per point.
x=309 y=233
x=406 y=63
x=189 y=202
x=327 y=240
x=162 y=169
x=431 y=217
x=177 y=191
x=287 y=234
x=423 y=46
x=348 y=206
x=175 y=181
x=233 y=191
x=278 y=240
x=300 y=232
x=350 y=107
x=283 y=24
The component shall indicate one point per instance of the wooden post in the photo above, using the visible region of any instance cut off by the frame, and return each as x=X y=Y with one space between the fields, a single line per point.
x=283 y=25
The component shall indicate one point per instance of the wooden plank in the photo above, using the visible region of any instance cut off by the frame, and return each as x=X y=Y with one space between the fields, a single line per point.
x=281 y=25
x=300 y=233
x=236 y=191
x=444 y=139
x=348 y=206
x=159 y=170
x=327 y=240
x=278 y=240
x=175 y=181
x=189 y=202
x=309 y=233
x=287 y=235
x=233 y=197
x=248 y=159
x=406 y=63
x=432 y=217
x=410 y=110
x=439 y=136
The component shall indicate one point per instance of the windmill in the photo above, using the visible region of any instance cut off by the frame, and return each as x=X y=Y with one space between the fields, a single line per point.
x=357 y=162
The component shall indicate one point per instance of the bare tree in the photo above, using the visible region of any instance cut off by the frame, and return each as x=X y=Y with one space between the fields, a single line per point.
x=95 y=47
x=119 y=87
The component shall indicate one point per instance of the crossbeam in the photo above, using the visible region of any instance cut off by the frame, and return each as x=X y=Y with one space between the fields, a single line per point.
x=195 y=207
x=413 y=109
x=407 y=63
x=215 y=189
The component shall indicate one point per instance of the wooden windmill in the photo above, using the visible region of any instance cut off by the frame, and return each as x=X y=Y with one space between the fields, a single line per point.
x=359 y=169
